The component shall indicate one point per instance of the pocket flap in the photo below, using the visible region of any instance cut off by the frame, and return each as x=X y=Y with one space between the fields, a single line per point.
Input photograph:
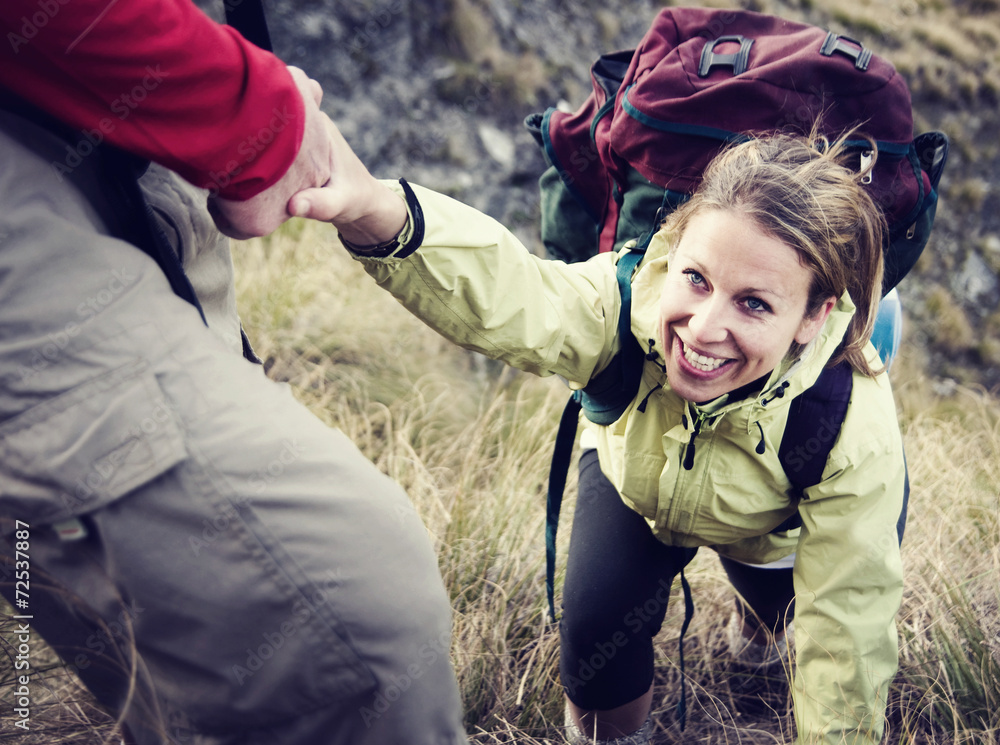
x=87 y=447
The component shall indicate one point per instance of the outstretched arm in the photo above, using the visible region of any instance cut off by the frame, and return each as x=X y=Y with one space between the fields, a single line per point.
x=467 y=276
x=848 y=578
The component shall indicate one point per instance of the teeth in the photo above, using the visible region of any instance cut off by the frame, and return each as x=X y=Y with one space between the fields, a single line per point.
x=705 y=364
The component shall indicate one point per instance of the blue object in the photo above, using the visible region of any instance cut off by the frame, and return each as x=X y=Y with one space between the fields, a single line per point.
x=888 y=327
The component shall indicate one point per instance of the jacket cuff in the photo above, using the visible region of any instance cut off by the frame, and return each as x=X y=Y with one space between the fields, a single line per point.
x=409 y=238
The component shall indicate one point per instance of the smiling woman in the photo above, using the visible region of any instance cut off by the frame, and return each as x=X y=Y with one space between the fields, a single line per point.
x=797 y=194
x=733 y=303
x=759 y=256
x=767 y=276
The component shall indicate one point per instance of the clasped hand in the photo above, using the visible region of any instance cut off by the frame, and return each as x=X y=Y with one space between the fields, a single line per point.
x=326 y=182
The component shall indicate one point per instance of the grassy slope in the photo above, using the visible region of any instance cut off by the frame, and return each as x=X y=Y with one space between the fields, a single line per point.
x=471 y=447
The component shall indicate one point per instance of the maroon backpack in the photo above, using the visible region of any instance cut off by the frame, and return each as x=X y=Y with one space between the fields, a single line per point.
x=702 y=78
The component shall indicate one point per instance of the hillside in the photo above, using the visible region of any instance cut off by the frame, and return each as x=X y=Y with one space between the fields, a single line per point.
x=471 y=449
x=436 y=90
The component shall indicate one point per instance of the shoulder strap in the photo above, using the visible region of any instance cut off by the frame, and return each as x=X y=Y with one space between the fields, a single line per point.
x=248 y=18
x=815 y=417
x=607 y=395
x=139 y=224
x=603 y=400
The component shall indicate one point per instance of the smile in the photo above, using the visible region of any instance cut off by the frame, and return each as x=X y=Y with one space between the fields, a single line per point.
x=700 y=361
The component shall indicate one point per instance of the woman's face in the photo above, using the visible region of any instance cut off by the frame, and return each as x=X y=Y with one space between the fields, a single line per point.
x=733 y=302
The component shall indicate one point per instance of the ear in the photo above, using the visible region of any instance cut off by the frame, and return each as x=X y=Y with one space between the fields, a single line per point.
x=811 y=325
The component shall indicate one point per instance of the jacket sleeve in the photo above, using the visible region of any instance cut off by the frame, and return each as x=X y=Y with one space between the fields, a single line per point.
x=848 y=578
x=473 y=282
x=159 y=79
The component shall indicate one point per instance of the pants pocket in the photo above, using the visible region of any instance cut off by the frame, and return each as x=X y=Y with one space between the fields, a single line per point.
x=236 y=635
x=83 y=449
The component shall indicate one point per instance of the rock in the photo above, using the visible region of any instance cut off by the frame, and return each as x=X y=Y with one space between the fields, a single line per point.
x=498 y=144
x=976 y=283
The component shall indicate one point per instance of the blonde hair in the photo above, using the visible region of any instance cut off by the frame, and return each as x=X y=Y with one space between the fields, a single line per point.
x=800 y=191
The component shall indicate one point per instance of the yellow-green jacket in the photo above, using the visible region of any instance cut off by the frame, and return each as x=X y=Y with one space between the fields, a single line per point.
x=472 y=281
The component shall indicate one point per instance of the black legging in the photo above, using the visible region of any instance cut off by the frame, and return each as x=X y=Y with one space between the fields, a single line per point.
x=618 y=580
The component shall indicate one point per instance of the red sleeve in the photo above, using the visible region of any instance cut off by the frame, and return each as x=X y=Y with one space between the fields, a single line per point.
x=160 y=79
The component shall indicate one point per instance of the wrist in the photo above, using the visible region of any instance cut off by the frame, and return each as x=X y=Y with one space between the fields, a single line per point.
x=376 y=215
x=371 y=237
x=380 y=249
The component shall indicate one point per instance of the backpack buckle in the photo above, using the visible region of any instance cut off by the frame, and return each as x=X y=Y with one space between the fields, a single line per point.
x=835 y=43
x=867 y=161
x=738 y=60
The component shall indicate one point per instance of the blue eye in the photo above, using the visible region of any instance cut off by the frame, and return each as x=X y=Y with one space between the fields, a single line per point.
x=757 y=305
x=694 y=277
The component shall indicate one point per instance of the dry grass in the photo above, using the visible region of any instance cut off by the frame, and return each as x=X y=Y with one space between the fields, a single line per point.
x=61 y=713
x=471 y=446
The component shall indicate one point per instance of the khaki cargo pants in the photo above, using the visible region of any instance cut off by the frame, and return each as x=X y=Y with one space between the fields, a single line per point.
x=277 y=588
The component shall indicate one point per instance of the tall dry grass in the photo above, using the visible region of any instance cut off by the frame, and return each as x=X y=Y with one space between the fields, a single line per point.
x=471 y=445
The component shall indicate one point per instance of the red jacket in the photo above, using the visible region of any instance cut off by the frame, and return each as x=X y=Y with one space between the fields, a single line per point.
x=160 y=79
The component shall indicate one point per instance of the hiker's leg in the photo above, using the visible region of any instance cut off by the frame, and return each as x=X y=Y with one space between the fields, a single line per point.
x=277 y=587
x=629 y=723
x=766 y=601
x=618 y=580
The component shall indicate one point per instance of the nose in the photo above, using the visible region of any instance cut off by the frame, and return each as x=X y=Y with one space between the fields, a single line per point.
x=707 y=322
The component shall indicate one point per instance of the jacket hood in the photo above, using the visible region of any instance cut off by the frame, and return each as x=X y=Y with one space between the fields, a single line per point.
x=793 y=375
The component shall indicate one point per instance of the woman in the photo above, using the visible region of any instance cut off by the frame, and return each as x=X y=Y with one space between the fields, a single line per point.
x=767 y=276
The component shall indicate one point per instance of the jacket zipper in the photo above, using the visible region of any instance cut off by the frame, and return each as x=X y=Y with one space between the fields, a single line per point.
x=689 y=448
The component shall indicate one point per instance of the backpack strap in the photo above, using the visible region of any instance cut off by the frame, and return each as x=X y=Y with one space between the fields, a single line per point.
x=603 y=401
x=814 y=420
x=609 y=393
x=140 y=227
x=562 y=454
x=248 y=18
